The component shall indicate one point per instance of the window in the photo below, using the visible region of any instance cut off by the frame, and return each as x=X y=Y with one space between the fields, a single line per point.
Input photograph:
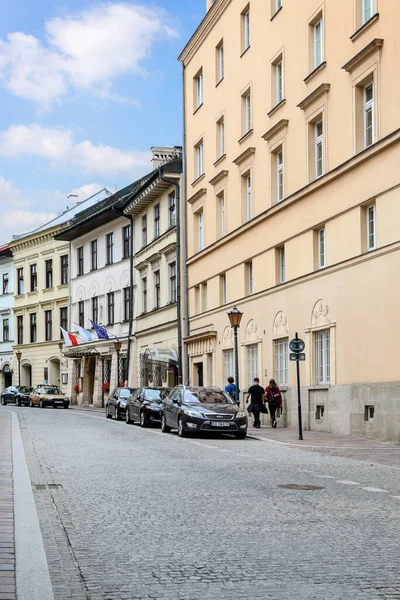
x=156 y=220
x=248 y=197
x=222 y=289
x=64 y=317
x=20 y=330
x=80 y=260
x=281 y=362
x=144 y=230
x=318 y=43
x=110 y=248
x=32 y=326
x=221 y=214
x=200 y=231
x=368 y=9
x=321 y=249
x=219 y=55
x=95 y=309
x=220 y=137
x=171 y=210
x=81 y=313
x=279 y=176
x=319 y=412
x=197 y=299
x=368 y=115
x=319 y=149
x=249 y=278
x=6 y=330
x=204 y=296
x=371 y=227
x=199 y=159
x=33 y=274
x=369 y=412
x=252 y=363
x=198 y=83
x=245 y=22
x=144 y=295
x=20 y=281
x=110 y=308
x=229 y=369
x=49 y=273
x=279 y=82
x=93 y=255
x=127 y=303
x=282 y=265
x=157 y=302
x=64 y=269
x=278 y=5
x=126 y=241
x=5 y=283
x=48 y=325
x=322 y=363
x=172 y=282
x=246 y=114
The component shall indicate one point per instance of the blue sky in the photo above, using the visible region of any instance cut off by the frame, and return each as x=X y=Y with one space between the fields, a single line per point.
x=85 y=89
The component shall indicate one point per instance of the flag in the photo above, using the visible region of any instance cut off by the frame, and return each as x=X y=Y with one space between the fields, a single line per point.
x=83 y=333
x=101 y=333
x=69 y=338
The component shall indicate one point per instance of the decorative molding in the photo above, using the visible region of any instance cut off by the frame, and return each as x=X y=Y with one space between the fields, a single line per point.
x=197 y=195
x=320 y=314
x=220 y=159
x=363 y=54
x=321 y=89
x=315 y=72
x=218 y=177
x=244 y=155
x=275 y=108
x=281 y=328
x=196 y=181
x=245 y=136
x=275 y=129
x=227 y=337
x=364 y=27
x=252 y=332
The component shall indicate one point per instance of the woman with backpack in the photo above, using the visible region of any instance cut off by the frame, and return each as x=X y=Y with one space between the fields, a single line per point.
x=274 y=398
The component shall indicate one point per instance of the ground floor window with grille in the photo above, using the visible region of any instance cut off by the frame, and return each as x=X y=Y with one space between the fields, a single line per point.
x=252 y=363
x=281 y=362
x=229 y=369
x=322 y=357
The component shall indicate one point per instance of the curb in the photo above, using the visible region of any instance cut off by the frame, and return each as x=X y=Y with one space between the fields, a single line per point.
x=293 y=445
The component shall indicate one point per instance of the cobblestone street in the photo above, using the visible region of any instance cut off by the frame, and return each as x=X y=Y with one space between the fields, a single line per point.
x=129 y=513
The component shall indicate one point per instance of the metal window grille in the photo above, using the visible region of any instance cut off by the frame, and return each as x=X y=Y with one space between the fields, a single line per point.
x=252 y=363
x=107 y=370
x=229 y=370
x=322 y=357
x=281 y=362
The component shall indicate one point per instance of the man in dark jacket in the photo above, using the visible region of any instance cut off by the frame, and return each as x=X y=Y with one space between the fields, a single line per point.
x=256 y=394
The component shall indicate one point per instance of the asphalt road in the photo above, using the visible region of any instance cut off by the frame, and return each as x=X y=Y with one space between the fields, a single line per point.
x=129 y=513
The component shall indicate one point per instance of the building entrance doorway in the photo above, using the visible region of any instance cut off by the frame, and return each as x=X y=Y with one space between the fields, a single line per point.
x=198 y=374
x=26 y=374
x=88 y=380
x=54 y=372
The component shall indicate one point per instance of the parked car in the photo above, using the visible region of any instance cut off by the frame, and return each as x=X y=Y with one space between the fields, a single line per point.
x=116 y=403
x=19 y=394
x=204 y=409
x=48 y=395
x=145 y=406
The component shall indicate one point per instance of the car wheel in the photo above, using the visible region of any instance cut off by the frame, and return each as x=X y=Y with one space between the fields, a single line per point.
x=108 y=414
x=18 y=402
x=4 y=402
x=117 y=416
x=41 y=404
x=66 y=405
x=181 y=431
x=128 y=420
x=30 y=404
x=240 y=435
x=143 y=419
x=164 y=427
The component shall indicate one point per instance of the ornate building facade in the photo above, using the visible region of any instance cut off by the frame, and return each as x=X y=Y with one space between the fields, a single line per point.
x=7 y=364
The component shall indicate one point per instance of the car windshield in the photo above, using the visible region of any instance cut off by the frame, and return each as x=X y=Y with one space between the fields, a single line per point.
x=25 y=389
x=155 y=395
x=207 y=396
x=53 y=390
x=126 y=392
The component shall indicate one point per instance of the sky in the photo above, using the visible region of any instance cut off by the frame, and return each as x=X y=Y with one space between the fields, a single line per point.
x=86 y=88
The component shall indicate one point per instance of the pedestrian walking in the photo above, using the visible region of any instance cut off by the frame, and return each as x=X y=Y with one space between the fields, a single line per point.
x=274 y=398
x=257 y=405
x=231 y=389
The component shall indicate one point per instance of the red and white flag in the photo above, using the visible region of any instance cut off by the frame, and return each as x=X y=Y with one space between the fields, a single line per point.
x=69 y=338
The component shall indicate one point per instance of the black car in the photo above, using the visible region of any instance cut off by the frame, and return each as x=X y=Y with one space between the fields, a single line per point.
x=117 y=400
x=19 y=394
x=204 y=409
x=145 y=406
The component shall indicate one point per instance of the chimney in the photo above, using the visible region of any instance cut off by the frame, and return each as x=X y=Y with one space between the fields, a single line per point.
x=162 y=155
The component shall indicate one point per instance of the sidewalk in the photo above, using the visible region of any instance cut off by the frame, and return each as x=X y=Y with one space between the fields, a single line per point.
x=7 y=532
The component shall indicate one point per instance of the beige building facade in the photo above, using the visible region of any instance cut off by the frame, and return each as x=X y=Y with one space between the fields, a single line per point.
x=293 y=204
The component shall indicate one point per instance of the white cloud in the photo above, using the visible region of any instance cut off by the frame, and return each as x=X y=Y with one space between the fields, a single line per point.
x=20 y=221
x=59 y=147
x=88 y=51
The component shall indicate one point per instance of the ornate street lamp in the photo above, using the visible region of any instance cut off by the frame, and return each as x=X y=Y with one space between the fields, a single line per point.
x=18 y=354
x=117 y=346
x=235 y=317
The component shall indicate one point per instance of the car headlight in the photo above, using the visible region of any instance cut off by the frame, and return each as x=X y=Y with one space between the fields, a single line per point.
x=192 y=413
x=154 y=407
x=240 y=415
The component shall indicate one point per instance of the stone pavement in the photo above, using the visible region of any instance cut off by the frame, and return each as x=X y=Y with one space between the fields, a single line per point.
x=7 y=541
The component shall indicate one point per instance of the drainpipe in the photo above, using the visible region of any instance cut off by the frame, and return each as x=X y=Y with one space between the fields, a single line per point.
x=178 y=271
x=184 y=233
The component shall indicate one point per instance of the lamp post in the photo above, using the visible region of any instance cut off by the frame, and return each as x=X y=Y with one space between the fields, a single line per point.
x=18 y=354
x=235 y=317
x=117 y=346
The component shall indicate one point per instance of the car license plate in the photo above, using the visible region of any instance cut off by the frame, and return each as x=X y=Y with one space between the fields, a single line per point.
x=219 y=424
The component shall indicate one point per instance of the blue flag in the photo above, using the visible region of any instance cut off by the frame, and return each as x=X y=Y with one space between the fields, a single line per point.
x=101 y=333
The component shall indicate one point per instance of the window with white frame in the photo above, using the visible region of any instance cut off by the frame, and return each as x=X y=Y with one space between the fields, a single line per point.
x=281 y=361
x=246 y=104
x=222 y=284
x=171 y=210
x=229 y=370
x=246 y=29
x=157 y=220
x=318 y=43
x=279 y=81
x=199 y=150
x=199 y=89
x=278 y=5
x=321 y=248
x=156 y=291
x=220 y=61
x=221 y=210
x=172 y=282
x=144 y=230
x=144 y=294
x=319 y=149
x=249 y=277
x=322 y=357
x=371 y=227
x=282 y=265
x=248 y=198
x=368 y=8
x=220 y=137
x=279 y=176
x=252 y=363
x=200 y=230
x=369 y=114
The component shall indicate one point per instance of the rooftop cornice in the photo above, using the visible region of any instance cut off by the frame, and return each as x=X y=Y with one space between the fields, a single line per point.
x=321 y=89
x=275 y=129
x=212 y=17
x=363 y=54
x=34 y=240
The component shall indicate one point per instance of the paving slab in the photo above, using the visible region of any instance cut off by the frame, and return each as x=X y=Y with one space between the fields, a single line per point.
x=7 y=540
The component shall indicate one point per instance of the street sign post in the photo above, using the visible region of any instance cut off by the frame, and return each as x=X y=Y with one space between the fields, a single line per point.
x=297 y=346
